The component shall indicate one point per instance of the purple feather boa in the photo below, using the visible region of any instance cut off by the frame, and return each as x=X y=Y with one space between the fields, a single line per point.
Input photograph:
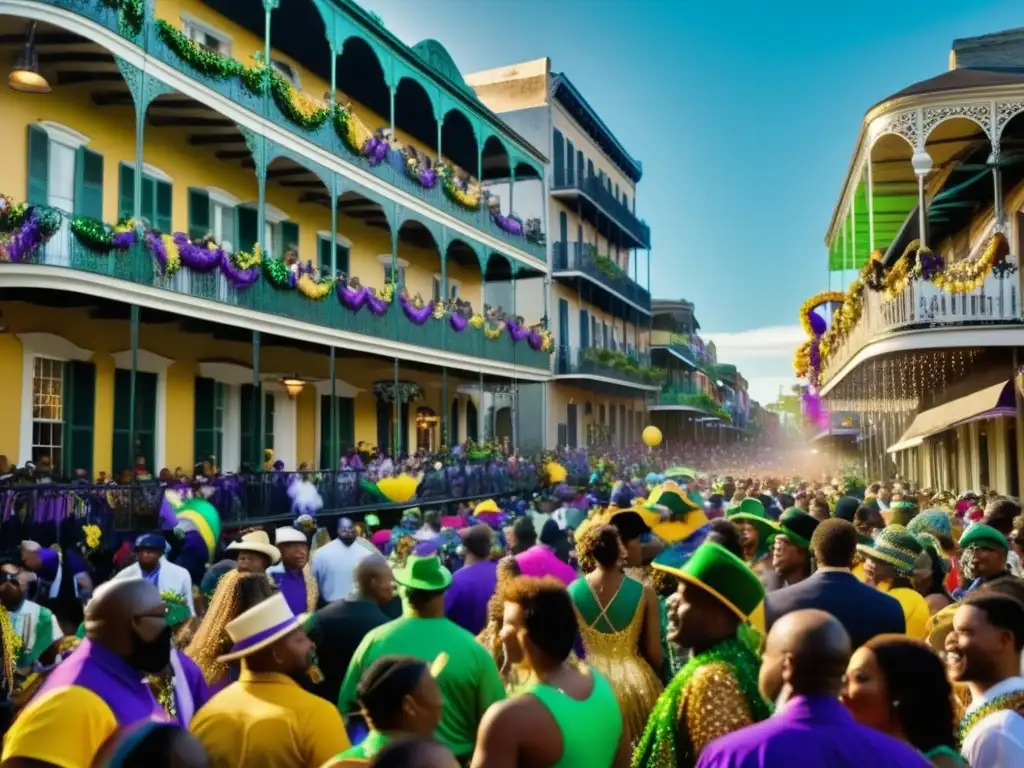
x=196 y=255
x=457 y=322
x=517 y=332
x=26 y=240
x=510 y=224
x=417 y=316
x=356 y=299
x=238 y=277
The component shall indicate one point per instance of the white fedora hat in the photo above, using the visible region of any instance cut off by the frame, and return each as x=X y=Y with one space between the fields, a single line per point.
x=257 y=541
x=289 y=535
x=263 y=624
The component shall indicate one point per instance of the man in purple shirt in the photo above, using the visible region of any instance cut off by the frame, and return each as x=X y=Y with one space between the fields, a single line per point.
x=292 y=574
x=474 y=583
x=802 y=670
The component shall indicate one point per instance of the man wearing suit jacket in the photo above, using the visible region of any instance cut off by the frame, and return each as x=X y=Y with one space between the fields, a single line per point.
x=151 y=564
x=864 y=611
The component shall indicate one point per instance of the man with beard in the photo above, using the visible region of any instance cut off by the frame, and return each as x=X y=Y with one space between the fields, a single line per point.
x=266 y=718
x=334 y=565
x=715 y=693
x=99 y=687
x=983 y=559
x=983 y=651
x=35 y=625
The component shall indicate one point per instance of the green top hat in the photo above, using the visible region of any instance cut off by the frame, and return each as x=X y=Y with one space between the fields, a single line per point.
x=205 y=518
x=797 y=526
x=984 y=536
x=896 y=546
x=724 y=576
x=424 y=573
x=752 y=511
x=675 y=498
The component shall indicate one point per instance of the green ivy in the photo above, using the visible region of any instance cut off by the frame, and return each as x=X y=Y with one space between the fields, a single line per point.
x=129 y=15
x=619 y=361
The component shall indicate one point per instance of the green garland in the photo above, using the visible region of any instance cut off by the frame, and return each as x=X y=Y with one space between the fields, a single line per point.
x=129 y=15
x=12 y=214
x=664 y=743
x=1011 y=701
x=277 y=272
x=608 y=267
x=93 y=233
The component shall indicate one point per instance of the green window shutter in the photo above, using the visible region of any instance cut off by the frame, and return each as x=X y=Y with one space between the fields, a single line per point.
x=289 y=237
x=122 y=414
x=163 y=207
x=453 y=424
x=38 y=192
x=323 y=253
x=247 y=221
x=325 y=428
x=346 y=425
x=204 y=427
x=125 y=192
x=268 y=421
x=149 y=200
x=249 y=449
x=79 y=416
x=199 y=224
x=89 y=184
x=145 y=420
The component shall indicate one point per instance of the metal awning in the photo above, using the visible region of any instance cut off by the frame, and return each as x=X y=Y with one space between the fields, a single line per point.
x=997 y=400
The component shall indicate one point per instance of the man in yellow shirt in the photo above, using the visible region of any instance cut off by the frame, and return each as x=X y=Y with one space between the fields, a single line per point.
x=99 y=688
x=266 y=719
x=888 y=567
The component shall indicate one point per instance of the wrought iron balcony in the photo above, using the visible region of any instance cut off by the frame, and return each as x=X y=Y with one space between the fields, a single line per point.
x=922 y=305
x=584 y=258
x=137 y=265
x=600 y=202
x=688 y=397
x=633 y=370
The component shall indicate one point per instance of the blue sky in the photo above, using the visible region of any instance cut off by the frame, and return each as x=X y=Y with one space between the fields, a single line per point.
x=744 y=114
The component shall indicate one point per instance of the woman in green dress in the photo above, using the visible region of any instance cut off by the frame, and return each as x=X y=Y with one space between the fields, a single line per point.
x=898 y=685
x=620 y=622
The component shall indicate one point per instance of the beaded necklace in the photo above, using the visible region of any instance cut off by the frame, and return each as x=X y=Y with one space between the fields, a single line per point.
x=1013 y=700
x=162 y=686
x=664 y=744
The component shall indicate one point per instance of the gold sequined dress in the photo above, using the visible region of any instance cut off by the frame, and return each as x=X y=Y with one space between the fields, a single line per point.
x=614 y=650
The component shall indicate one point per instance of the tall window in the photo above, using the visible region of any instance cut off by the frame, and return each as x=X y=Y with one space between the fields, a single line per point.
x=222 y=224
x=287 y=71
x=207 y=37
x=391 y=277
x=453 y=289
x=268 y=420
x=272 y=239
x=48 y=410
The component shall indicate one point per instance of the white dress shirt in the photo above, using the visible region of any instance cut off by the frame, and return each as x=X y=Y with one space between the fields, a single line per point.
x=998 y=740
x=333 y=568
x=171 y=578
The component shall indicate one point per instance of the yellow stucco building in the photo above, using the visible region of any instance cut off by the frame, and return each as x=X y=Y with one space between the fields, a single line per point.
x=223 y=317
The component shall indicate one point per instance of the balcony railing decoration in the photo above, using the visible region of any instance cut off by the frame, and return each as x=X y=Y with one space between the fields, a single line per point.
x=960 y=277
x=129 y=15
x=698 y=400
x=25 y=229
x=608 y=267
x=622 y=362
x=310 y=114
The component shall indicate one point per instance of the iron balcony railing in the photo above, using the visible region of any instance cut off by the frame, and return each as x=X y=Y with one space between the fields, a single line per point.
x=136 y=265
x=30 y=510
x=922 y=305
x=599 y=194
x=608 y=363
x=583 y=257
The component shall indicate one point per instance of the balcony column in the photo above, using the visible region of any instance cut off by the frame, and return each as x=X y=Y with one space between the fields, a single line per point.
x=335 y=188
x=396 y=416
x=391 y=102
x=871 y=207
x=997 y=179
x=332 y=439
x=446 y=408
x=256 y=414
x=134 y=335
x=922 y=163
x=511 y=188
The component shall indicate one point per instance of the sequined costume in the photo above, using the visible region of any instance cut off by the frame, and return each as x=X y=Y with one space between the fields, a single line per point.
x=714 y=694
x=611 y=641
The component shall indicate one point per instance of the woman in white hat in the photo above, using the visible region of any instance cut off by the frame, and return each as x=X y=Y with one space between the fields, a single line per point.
x=266 y=719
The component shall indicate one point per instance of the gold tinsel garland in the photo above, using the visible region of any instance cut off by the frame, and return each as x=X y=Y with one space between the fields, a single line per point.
x=957 y=278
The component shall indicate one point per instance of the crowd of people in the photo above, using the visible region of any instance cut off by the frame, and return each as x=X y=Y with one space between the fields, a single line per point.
x=671 y=618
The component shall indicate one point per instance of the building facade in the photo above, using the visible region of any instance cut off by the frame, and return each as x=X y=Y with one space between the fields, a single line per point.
x=701 y=399
x=598 y=312
x=208 y=256
x=923 y=348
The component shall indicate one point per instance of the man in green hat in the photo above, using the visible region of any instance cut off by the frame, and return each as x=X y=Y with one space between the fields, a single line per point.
x=791 y=546
x=469 y=680
x=716 y=691
x=985 y=551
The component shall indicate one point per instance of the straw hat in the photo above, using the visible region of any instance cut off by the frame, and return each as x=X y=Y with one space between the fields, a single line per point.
x=262 y=625
x=257 y=541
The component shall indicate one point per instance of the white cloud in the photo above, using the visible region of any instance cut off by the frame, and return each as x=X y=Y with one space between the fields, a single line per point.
x=763 y=355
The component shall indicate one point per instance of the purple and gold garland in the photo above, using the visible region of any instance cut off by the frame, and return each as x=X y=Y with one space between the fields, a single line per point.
x=25 y=229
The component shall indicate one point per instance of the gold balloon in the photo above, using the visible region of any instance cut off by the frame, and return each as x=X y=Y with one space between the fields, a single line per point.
x=652 y=436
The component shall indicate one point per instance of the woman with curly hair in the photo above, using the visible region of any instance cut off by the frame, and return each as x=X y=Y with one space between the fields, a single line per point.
x=899 y=686
x=620 y=624
x=236 y=593
x=490 y=637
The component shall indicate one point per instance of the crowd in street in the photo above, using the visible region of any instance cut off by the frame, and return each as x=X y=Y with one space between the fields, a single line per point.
x=671 y=618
